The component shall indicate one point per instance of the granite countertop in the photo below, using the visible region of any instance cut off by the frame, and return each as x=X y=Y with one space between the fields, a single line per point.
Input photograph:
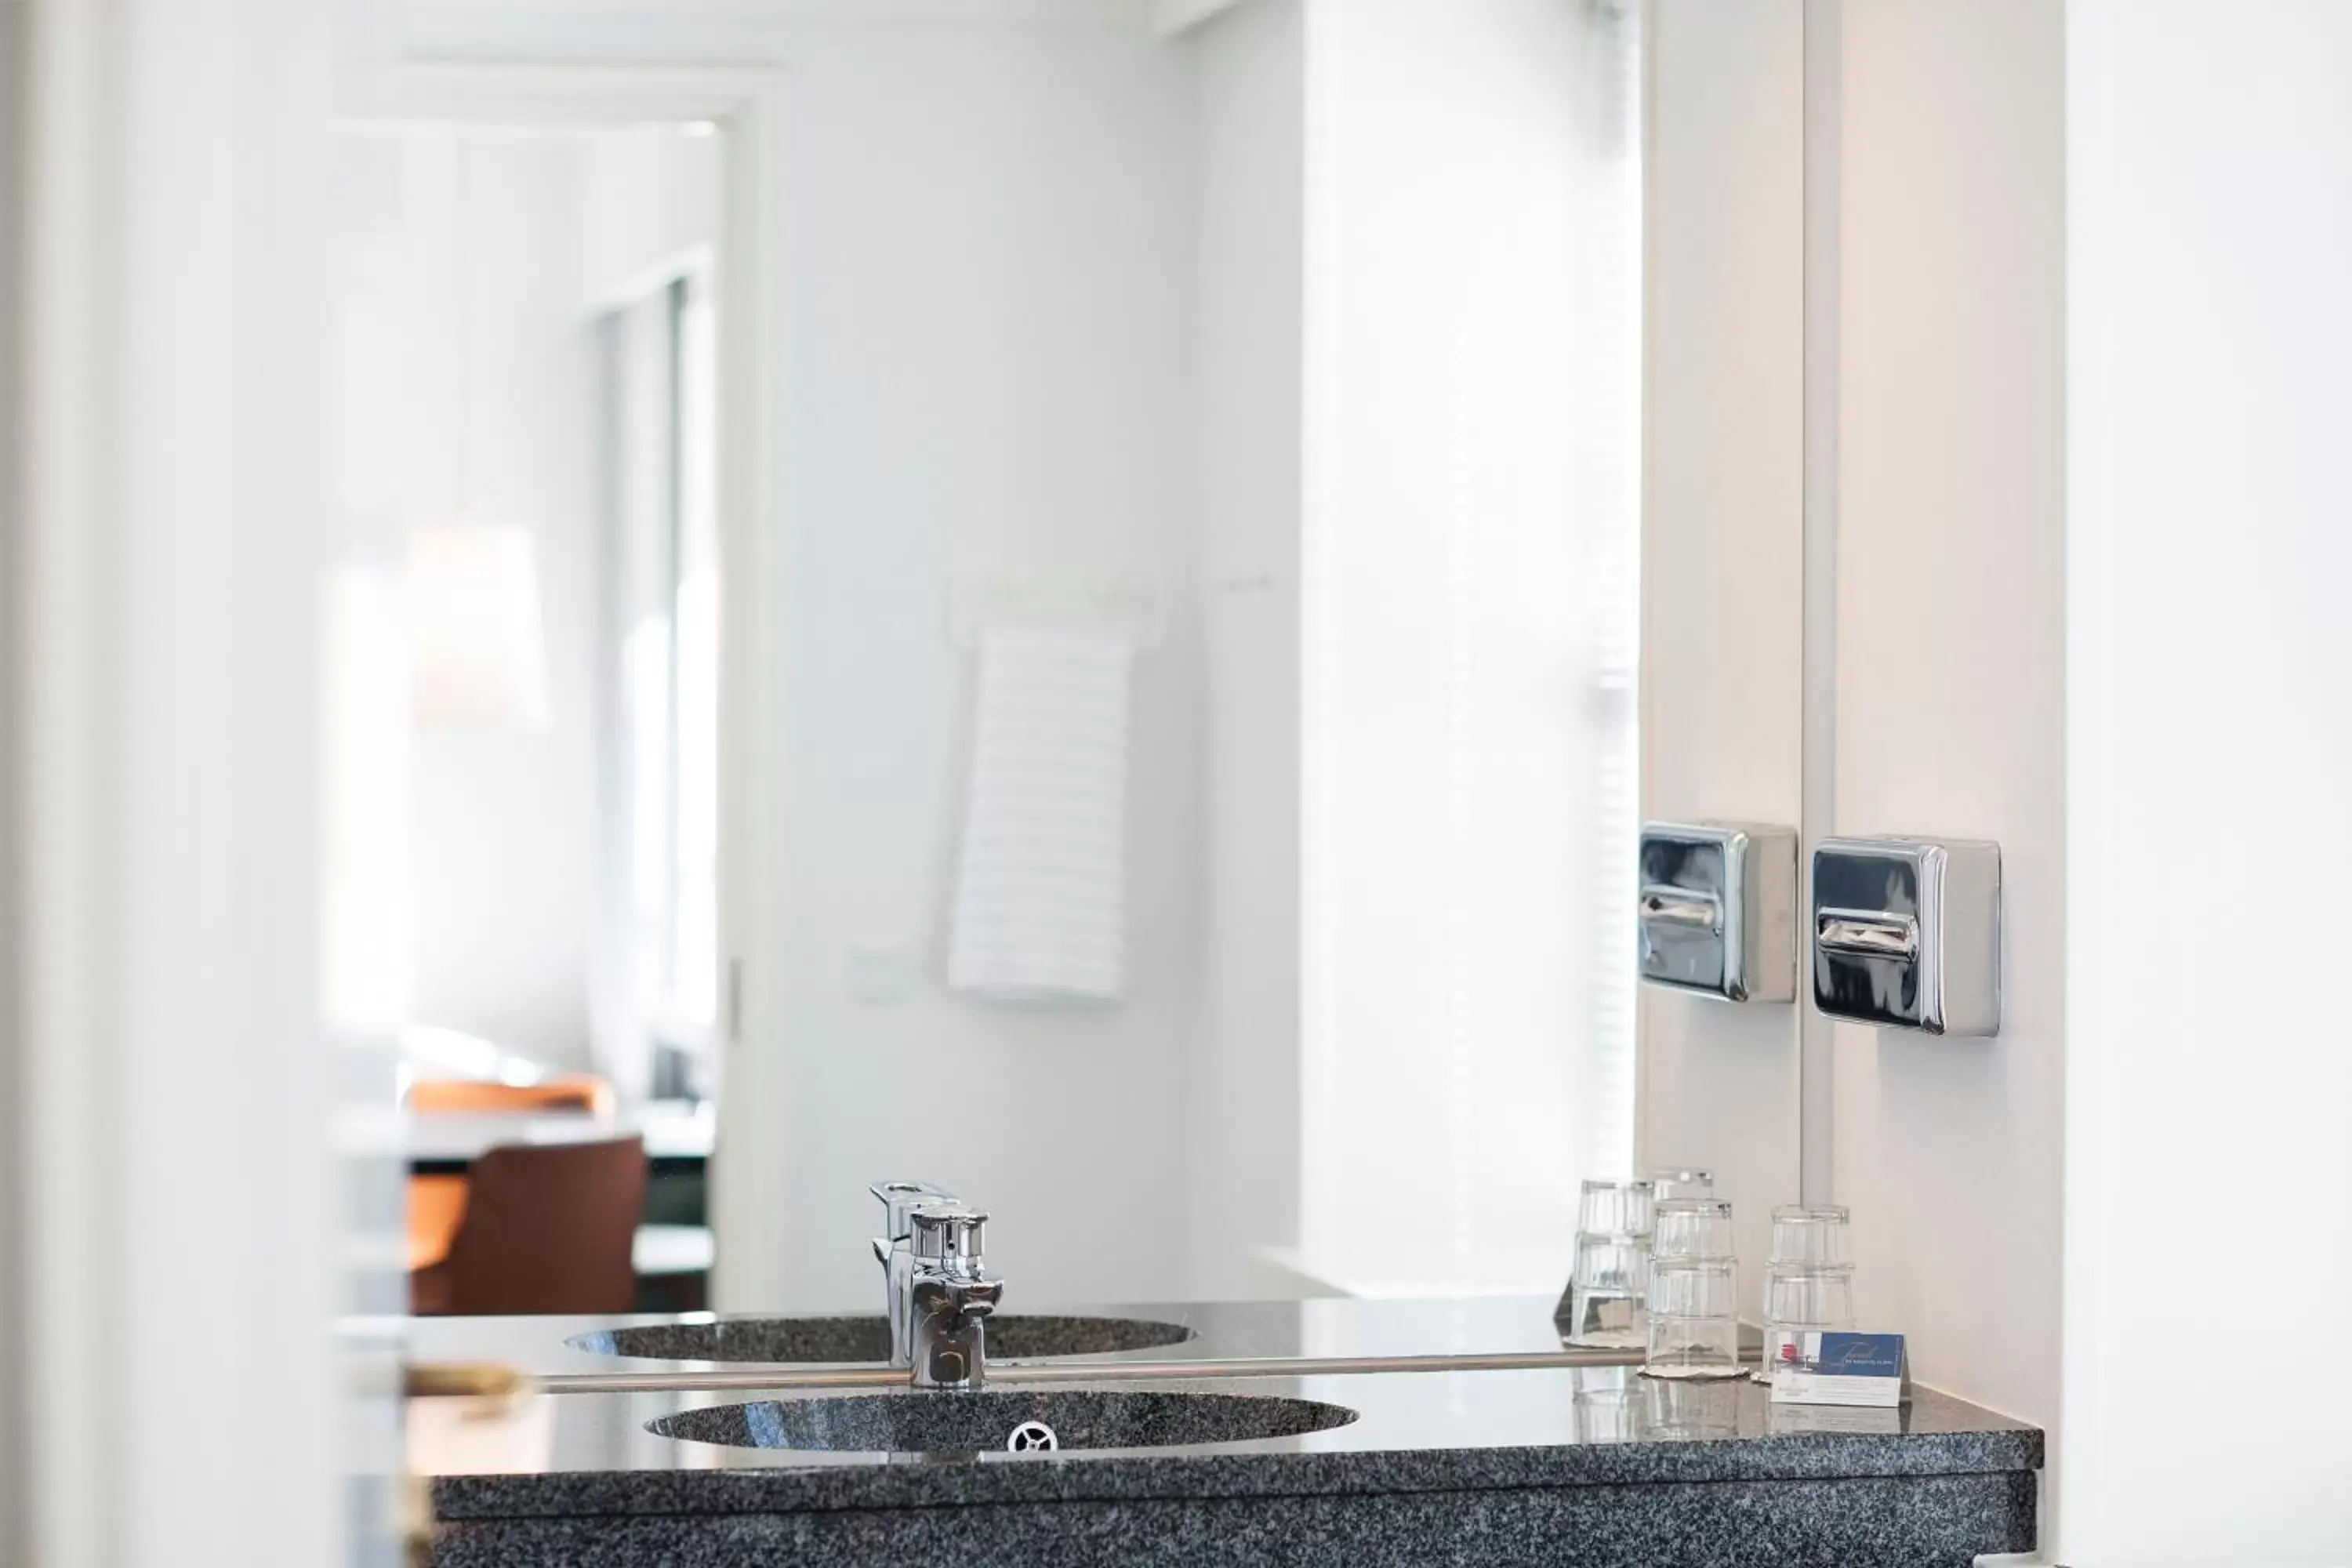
x=1220 y=1331
x=590 y=1454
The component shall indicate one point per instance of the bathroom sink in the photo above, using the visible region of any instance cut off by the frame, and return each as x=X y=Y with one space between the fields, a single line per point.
x=1011 y=1336
x=997 y=1419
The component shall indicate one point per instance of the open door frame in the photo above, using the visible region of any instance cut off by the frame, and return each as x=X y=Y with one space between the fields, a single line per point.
x=746 y=106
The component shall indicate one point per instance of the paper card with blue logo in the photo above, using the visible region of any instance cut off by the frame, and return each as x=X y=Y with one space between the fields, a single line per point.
x=1842 y=1369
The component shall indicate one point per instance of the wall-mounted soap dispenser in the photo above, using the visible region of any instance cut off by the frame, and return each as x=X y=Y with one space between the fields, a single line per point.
x=1907 y=932
x=1718 y=908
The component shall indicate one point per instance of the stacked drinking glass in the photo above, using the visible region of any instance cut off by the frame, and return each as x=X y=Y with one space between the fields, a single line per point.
x=1808 y=1283
x=1603 y=1303
x=1694 y=1299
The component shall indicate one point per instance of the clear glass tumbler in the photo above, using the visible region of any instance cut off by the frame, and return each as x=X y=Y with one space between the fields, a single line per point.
x=1812 y=1235
x=1799 y=1300
x=1692 y=1347
x=1693 y=1318
x=1804 y=1293
x=1695 y=1286
x=1691 y=1227
x=1605 y=1294
x=1613 y=1209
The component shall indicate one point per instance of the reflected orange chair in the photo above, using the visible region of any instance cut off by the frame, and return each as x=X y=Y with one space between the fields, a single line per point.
x=548 y=1227
x=435 y=1203
x=436 y=1206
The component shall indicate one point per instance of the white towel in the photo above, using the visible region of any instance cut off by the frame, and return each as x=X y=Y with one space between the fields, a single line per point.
x=1041 y=902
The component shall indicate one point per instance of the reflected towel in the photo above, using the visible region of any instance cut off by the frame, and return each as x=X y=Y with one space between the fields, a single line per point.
x=1041 y=900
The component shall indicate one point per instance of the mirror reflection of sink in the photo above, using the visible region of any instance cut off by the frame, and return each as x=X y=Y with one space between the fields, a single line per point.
x=993 y=1420
x=1011 y=1336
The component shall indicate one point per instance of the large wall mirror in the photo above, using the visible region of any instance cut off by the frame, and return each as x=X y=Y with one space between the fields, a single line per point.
x=1051 y=600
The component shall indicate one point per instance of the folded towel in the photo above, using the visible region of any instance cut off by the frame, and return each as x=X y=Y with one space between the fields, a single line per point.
x=1041 y=902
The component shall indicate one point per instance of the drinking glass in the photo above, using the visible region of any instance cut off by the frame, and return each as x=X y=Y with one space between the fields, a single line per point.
x=1613 y=1209
x=1695 y=1286
x=1691 y=1227
x=1605 y=1293
x=1801 y=1293
x=1798 y=1301
x=1693 y=1317
x=1811 y=1234
x=1692 y=1347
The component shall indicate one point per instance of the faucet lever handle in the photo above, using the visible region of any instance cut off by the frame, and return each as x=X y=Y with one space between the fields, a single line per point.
x=900 y=1198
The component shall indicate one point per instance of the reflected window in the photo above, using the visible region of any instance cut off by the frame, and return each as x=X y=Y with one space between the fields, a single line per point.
x=661 y=725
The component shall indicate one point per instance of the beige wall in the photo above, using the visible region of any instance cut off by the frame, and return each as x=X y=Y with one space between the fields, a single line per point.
x=1951 y=655
x=1723 y=549
x=1941 y=372
x=13 y=1438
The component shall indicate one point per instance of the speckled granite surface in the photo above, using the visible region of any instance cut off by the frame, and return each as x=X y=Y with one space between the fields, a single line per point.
x=1591 y=1466
x=1938 y=1521
x=1195 y=1332
x=594 y=1453
x=1014 y=1337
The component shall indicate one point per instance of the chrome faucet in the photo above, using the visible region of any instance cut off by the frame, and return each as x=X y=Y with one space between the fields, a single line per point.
x=952 y=1297
x=893 y=1250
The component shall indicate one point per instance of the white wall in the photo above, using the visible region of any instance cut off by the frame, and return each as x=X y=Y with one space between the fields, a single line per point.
x=1950 y=656
x=506 y=822
x=1249 y=67
x=1452 y=646
x=988 y=287
x=1723 y=552
x=526 y=235
x=2208 y=753
x=649 y=198
x=484 y=223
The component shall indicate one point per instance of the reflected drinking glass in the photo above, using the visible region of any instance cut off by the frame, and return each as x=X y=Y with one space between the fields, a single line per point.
x=1613 y=1209
x=1605 y=1294
x=1691 y=1227
x=1681 y=1181
x=1811 y=1235
x=1687 y=1410
x=1603 y=1405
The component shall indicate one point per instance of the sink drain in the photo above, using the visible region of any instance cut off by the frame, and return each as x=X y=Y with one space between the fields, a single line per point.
x=1031 y=1436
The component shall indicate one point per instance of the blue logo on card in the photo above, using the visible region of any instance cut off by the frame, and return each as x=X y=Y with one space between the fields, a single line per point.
x=1861 y=1355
